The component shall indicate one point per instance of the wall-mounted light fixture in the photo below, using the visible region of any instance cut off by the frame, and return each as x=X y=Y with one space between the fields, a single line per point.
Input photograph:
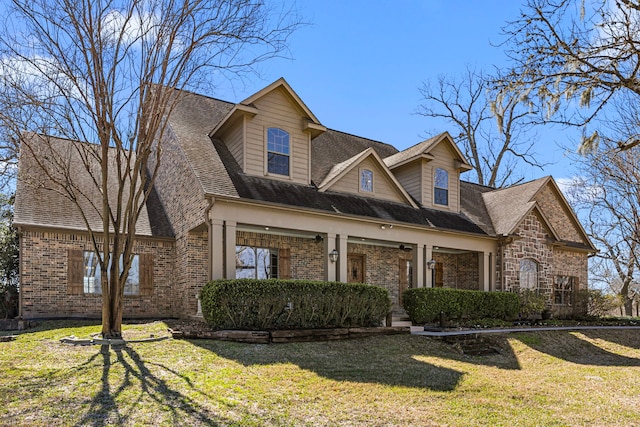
x=333 y=255
x=319 y=238
x=431 y=264
x=406 y=248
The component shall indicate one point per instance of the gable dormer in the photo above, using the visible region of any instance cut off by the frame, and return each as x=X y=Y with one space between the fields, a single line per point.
x=430 y=172
x=269 y=134
x=365 y=175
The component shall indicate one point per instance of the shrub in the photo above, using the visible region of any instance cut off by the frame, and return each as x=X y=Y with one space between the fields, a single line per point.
x=424 y=305
x=292 y=304
x=531 y=302
x=8 y=300
x=595 y=302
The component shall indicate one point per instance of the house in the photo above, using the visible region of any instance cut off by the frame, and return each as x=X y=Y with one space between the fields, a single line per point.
x=262 y=188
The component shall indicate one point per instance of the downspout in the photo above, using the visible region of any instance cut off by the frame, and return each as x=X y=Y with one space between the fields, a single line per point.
x=209 y=222
x=20 y=258
x=500 y=263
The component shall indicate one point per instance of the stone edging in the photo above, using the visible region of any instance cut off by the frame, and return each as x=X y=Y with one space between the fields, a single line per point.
x=293 y=335
x=445 y=333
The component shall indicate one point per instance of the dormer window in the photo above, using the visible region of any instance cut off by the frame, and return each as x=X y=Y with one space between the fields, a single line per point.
x=441 y=187
x=366 y=181
x=278 y=151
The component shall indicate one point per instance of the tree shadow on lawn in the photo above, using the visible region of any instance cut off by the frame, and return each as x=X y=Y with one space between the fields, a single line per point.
x=106 y=411
x=617 y=336
x=60 y=326
x=568 y=346
x=390 y=360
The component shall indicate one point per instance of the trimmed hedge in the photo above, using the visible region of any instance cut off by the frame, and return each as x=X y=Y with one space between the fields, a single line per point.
x=424 y=305
x=252 y=304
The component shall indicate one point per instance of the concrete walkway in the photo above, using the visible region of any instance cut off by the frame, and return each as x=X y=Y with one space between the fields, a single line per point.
x=419 y=330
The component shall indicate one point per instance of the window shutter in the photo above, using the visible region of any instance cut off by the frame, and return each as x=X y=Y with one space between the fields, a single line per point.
x=284 y=263
x=146 y=274
x=75 y=272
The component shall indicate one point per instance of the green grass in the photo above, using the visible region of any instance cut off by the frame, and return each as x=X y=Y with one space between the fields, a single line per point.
x=539 y=379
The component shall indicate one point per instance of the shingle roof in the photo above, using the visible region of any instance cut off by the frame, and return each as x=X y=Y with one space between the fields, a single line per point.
x=41 y=202
x=191 y=121
x=472 y=205
x=484 y=210
x=334 y=147
x=307 y=196
x=412 y=151
x=506 y=207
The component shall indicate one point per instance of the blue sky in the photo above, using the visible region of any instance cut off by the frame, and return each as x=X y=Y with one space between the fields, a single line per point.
x=359 y=64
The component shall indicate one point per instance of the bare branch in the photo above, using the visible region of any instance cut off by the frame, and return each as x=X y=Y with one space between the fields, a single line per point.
x=87 y=88
x=492 y=125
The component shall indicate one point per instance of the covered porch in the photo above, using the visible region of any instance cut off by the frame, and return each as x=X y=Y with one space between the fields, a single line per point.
x=311 y=246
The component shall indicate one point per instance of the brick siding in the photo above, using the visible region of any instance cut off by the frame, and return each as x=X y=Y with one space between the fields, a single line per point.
x=382 y=267
x=43 y=260
x=307 y=255
x=459 y=271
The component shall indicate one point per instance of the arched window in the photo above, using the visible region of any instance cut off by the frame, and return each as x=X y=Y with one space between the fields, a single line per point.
x=366 y=180
x=528 y=274
x=441 y=187
x=278 y=151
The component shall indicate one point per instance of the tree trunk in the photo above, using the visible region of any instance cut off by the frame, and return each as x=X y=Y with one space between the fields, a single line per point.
x=112 y=311
x=628 y=307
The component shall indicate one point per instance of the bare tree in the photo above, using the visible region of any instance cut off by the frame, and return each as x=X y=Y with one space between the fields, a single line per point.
x=492 y=125
x=585 y=51
x=105 y=75
x=607 y=196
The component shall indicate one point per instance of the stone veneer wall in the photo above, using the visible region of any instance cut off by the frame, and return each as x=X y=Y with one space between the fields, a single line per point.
x=570 y=263
x=560 y=219
x=44 y=259
x=531 y=244
x=459 y=271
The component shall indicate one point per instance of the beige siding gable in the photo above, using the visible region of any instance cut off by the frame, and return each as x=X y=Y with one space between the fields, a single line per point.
x=233 y=137
x=277 y=110
x=416 y=169
x=445 y=159
x=410 y=176
x=383 y=186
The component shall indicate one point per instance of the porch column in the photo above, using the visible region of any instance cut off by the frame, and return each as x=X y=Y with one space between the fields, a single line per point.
x=484 y=270
x=330 y=268
x=216 y=249
x=428 y=272
x=419 y=266
x=342 y=258
x=230 y=249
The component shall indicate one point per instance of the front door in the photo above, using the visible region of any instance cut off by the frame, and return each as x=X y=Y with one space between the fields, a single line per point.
x=438 y=275
x=355 y=268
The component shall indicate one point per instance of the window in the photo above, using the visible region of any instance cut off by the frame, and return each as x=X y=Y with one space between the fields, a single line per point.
x=563 y=287
x=441 y=187
x=92 y=275
x=256 y=263
x=278 y=151
x=366 y=180
x=528 y=274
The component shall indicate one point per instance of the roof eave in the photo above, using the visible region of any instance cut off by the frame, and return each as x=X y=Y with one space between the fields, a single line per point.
x=237 y=111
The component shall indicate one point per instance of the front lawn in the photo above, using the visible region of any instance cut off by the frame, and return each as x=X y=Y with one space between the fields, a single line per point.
x=539 y=379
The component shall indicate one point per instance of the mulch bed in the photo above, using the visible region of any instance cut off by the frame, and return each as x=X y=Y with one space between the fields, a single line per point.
x=197 y=329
